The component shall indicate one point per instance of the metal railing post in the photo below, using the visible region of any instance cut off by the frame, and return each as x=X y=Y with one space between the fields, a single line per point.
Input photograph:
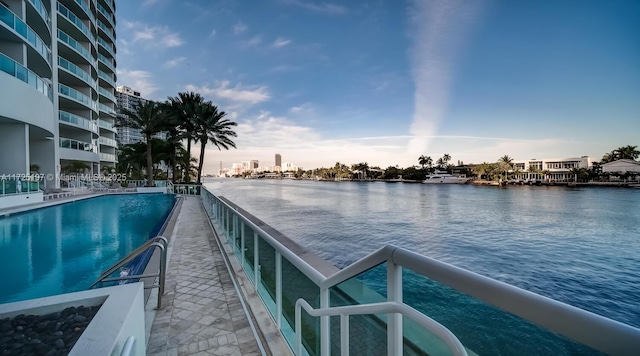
x=242 y=246
x=256 y=261
x=278 y=290
x=394 y=320
x=325 y=341
x=344 y=334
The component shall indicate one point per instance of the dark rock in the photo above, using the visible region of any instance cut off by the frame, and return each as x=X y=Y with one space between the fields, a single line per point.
x=19 y=328
x=57 y=334
x=59 y=343
x=80 y=318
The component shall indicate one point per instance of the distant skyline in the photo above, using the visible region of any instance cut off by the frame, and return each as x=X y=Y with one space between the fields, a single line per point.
x=387 y=81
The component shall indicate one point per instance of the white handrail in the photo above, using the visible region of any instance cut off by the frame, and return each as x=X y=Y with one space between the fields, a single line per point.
x=127 y=349
x=446 y=336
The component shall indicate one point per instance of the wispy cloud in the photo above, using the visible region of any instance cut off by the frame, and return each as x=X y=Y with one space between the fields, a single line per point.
x=322 y=7
x=281 y=42
x=152 y=36
x=148 y=3
x=253 y=41
x=239 y=28
x=305 y=108
x=240 y=94
x=213 y=33
x=140 y=80
x=173 y=62
x=439 y=30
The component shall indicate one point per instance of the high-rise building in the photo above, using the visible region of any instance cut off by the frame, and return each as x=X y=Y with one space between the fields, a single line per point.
x=278 y=160
x=254 y=164
x=57 y=82
x=128 y=99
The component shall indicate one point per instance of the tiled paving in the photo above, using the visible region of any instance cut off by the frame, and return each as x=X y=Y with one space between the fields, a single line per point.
x=201 y=314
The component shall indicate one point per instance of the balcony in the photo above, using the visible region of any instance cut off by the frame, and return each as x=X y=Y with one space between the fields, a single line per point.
x=15 y=69
x=108 y=141
x=76 y=21
x=76 y=47
x=77 y=96
x=76 y=71
x=77 y=121
x=27 y=33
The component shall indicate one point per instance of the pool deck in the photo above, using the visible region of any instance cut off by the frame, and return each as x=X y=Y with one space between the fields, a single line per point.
x=202 y=313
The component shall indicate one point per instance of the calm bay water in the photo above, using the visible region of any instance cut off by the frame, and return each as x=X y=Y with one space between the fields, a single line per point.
x=577 y=245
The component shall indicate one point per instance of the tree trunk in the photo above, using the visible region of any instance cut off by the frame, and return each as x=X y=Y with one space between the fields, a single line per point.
x=187 y=168
x=172 y=163
x=203 y=143
x=149 y=163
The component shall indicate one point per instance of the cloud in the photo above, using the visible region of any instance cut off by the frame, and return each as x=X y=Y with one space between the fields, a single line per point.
x=439 y=30
x=173 y=62
x=326 y=8
x=152 y=36
x=305 y=108
x=253 y=41
x=250 y=95
x=239 y=28
x=147 y=3
x=213 y=33
x=139 y=80
x=280 y=42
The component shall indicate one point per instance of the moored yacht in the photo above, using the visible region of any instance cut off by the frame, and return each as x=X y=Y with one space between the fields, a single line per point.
x=445 y=178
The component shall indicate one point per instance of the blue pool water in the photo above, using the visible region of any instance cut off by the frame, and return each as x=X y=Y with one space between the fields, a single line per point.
x=64 y=248
x=577 y=245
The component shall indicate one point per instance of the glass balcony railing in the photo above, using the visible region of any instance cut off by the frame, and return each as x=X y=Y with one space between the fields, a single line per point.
x=107 y=62
x=19 y=184
x=77 y=71
x=77 y=121
x=77 y=145
x=42 y=10
x=104 y=92
x=82 y=50
x=414 y=305
x=107 y=30
x=14 y=22
x=15 y=69
x=106 y=45
x=107 y=125
x=108 y=141
x=84 y=4
x=106 y=109
x=77 y=96
x=75 y=20
x=106 y=14
x=108 y=157
x=108 y=78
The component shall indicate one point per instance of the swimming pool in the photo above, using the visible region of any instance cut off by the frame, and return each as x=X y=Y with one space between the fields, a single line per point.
x=64 y=248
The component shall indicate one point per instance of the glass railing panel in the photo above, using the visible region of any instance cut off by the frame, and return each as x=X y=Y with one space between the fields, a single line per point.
x=248 y=251
x=267 y=274
x=107 y=30
x=77 y=71
x=367 y=287
x=78 y=96
x=106 y=45
x=106 y=14
x=480 y=327
x=110 y=142
x=296 y=285
x=106 y=124
x=75 y=20
x=107 y=93
x=106 y=109
x=106 y=61
x=42 y=10
x=25 y=31
x=19 y=183
x=77 y=120
x=108 y=157
x=82 y=50
x=84 y=4
x=109 y=79
x=15 y=69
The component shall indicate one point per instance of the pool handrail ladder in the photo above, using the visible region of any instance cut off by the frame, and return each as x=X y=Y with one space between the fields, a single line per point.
x=159 y=242
x=590 y=329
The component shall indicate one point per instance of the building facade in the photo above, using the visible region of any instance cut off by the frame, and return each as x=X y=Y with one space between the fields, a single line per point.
x=552 y=169
x=57 y=83
x=128 y=99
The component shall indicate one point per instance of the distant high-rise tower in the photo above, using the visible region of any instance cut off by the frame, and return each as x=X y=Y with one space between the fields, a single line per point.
x=128 y=99
x=278 y=161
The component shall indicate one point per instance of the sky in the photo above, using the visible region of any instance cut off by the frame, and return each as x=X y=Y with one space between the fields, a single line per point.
x=387 y=81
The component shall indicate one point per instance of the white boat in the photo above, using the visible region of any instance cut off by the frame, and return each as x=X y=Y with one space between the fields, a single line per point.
x=445 y=178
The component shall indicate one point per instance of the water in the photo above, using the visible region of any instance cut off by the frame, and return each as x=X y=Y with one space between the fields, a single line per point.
x=64 y=248
x=577 y=245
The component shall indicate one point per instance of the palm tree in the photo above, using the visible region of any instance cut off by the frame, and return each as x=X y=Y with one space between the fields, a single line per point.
x=505 y=164
x=627 y=152
x=183 y=108
x=131 y=159
x=211 y=126
x=75 y=167
x=147 y=119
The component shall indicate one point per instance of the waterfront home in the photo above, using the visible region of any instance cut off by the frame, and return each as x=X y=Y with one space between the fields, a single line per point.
x=559 y=169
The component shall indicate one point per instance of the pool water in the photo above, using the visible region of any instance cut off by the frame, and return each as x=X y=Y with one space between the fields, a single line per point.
x=65 y=248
